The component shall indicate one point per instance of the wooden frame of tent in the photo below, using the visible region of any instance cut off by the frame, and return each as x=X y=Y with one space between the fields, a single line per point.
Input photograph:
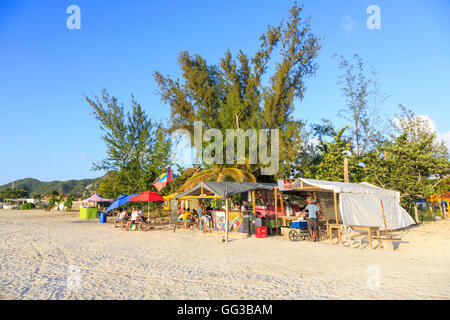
x=209 y=194
x=304 y=188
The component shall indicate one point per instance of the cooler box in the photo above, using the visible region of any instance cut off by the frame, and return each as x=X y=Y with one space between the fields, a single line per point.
x=88 y=213
x=299 y=224
x=261 y=232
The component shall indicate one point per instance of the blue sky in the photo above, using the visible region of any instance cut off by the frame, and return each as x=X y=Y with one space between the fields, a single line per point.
x=46 y=69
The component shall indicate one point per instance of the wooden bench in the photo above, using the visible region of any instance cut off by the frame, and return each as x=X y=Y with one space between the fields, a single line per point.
x=120 y=223
x=123 y=223
x=184 y=223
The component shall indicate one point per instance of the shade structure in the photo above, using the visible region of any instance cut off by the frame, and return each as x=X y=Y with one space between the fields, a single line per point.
x=120 y=201
x=360 y=204
x=223 y=189
x=96 y=198
x=147 y=196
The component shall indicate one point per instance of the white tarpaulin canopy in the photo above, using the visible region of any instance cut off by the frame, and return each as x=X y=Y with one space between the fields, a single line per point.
x=360 y=204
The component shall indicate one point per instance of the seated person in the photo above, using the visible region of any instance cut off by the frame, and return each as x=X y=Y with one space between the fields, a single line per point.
x=139 y=214
x=134 y=218
x=122 y=215
x=206 y=221
x=186 y=218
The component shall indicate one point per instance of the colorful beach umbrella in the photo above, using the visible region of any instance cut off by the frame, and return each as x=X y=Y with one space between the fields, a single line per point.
x=120 y=201
x=147 y=196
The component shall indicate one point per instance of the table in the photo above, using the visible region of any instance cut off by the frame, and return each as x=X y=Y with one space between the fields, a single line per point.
x=330 y=227
x=369 y=230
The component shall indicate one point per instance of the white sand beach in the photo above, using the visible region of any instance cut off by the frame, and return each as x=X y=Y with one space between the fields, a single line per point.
x=41 y=252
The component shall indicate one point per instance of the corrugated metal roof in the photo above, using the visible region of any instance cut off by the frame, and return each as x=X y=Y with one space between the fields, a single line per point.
x=220 y=188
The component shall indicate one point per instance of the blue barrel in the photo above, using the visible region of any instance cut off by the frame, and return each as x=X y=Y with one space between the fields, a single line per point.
x=102 y=217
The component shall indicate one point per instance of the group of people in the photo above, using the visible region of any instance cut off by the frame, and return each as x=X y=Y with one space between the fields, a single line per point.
x=202 y=216
x=131 y=218
x=243 y=207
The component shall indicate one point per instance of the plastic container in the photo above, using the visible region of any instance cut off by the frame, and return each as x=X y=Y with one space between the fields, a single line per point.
x=88 y=213
x=261 y=232
x=102 y=217
x=299 y=224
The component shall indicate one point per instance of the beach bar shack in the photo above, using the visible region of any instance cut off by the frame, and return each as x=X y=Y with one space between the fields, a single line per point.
x=238 y=220
x=355 y=204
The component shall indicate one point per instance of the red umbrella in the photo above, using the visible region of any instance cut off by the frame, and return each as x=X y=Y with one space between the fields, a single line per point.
x=147 y=196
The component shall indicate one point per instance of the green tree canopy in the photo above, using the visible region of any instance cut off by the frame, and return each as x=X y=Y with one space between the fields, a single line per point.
x=138 y=148
x=238 y=92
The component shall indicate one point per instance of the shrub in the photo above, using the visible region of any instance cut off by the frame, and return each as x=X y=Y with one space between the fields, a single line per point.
x=28 y=206
x=42 y=205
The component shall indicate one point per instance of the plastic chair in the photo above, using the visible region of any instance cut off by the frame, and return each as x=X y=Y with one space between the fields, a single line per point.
x=348 y=235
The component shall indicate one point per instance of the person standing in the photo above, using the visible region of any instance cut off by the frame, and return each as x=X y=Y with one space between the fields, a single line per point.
x=313 y=224
x=200 y=214
x=244 y=206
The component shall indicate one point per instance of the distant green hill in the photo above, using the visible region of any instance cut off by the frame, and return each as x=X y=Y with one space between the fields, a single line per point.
x=34 y=186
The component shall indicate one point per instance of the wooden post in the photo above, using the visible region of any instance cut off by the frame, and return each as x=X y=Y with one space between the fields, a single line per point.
x=392 y=202
x=276 y=213
x=275 y=192
x=416 y=214
x=346 y=170
x=335 y=207
x=253 y=202
x=253 y=212
x=281 y=205
x=226 y=214
x=440 y=207
x=384 y=218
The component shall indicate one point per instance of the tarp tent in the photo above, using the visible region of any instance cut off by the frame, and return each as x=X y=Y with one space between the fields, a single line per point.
x=359 y=203
x=219 y=188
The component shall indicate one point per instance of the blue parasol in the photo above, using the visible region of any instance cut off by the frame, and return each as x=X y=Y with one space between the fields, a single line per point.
x=120 y=200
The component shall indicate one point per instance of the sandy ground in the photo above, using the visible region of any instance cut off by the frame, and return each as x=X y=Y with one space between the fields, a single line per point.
x=57 y=256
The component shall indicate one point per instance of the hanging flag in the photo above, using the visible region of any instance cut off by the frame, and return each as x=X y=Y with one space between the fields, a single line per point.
x=163 y=179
